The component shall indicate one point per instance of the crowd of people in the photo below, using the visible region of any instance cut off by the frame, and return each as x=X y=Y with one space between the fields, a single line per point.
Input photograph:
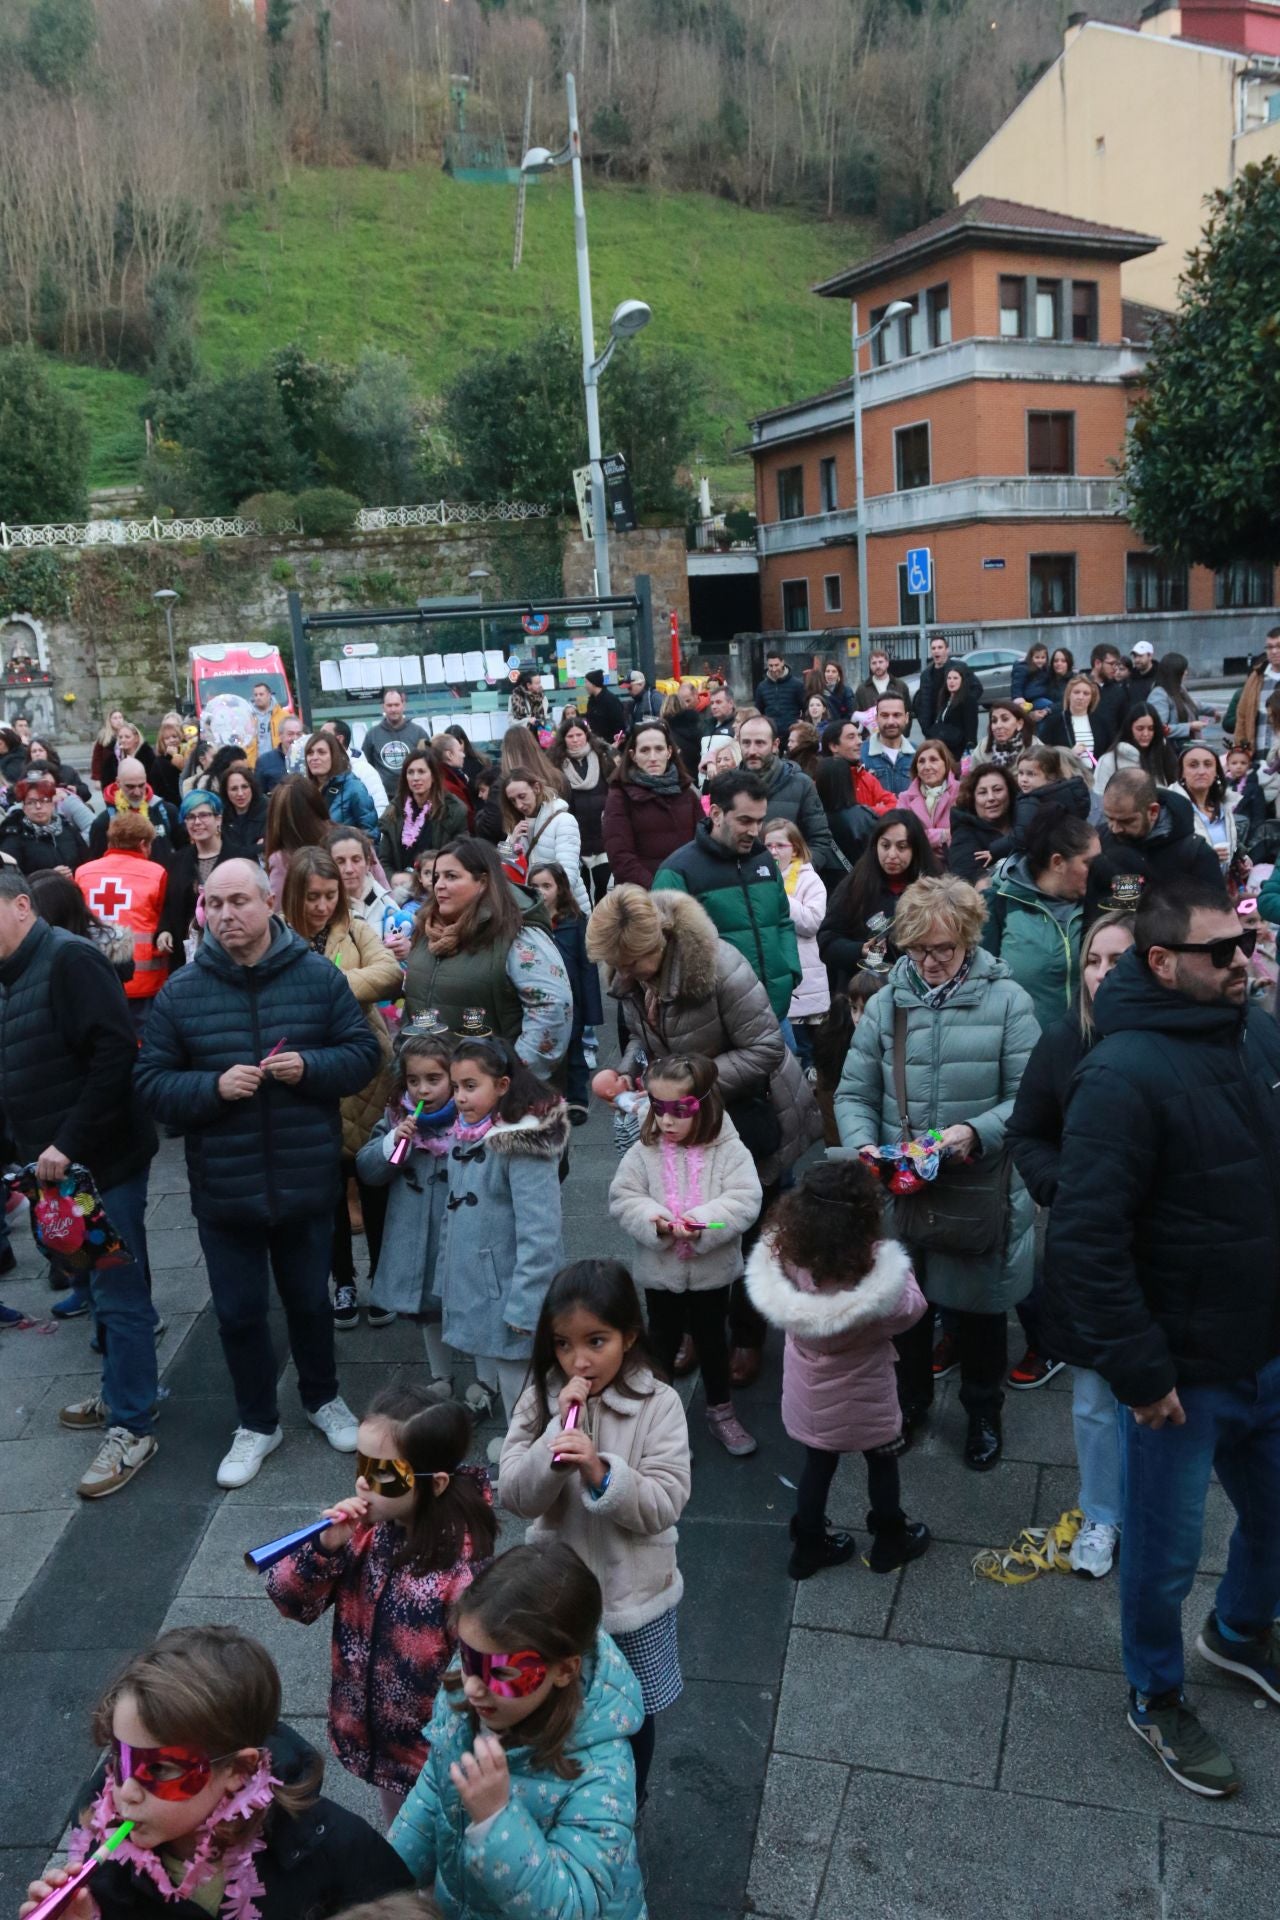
x=1014 y=975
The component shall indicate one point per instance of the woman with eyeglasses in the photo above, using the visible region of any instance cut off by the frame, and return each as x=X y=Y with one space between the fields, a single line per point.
x=952 y=1032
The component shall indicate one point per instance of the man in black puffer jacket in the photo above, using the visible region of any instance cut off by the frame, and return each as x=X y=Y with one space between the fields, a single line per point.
x=249 y=1052
x=1162 y=1272
x=1149 y=832
x=67 y=1056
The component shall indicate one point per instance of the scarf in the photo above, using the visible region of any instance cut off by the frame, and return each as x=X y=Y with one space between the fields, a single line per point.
x=242 y=1888
x=582 y=774
x=935 y=997
x=677 y=1203
x=668 y=781
x=441 y=1123
x=467 y=1134
x=792 y=875
x=932 y=796
x=414 y=821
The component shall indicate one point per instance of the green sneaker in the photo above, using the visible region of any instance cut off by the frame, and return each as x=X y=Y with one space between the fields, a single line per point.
x=1256 y=1660
x=1188 y=1751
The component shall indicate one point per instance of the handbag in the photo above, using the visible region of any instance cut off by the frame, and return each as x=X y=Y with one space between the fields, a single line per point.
x=757 y=1122
x=966 y=1208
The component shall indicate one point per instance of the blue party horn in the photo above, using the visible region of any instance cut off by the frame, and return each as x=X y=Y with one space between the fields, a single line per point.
x=258 y=1559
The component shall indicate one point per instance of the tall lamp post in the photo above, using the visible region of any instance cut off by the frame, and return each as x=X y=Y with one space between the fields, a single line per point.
x=165 y=598
x=859 y=341
x=628 y=319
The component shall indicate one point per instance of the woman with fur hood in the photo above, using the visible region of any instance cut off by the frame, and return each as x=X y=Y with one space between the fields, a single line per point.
x=840 y=1292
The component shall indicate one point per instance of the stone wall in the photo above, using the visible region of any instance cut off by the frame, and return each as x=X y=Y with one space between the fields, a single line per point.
x=105 y=639
x=658 y=551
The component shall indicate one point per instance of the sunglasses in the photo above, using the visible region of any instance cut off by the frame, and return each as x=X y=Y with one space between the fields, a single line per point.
x=1220 y=952
x=168 y=1773
x=391 y=1478
x=510 y=1676
x=687 y=1105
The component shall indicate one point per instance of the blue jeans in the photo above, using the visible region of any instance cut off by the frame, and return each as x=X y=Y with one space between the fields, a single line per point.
x=125 y=1316
x=1096 y=1417
x=241 y=1266
x=1234 y=1429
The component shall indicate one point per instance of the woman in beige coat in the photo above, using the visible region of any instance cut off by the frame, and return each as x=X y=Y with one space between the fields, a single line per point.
x=315 y=905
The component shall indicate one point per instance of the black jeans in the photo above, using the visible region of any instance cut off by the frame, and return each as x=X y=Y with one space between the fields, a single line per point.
x=373 y=1205
x=983 y=1340
x=883 y=1494
x=702 y=1316
x=642 y=1753
x=747 y=1325
x=241 y=1265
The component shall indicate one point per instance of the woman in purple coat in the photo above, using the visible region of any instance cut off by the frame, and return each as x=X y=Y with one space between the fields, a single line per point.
x=840 y=1292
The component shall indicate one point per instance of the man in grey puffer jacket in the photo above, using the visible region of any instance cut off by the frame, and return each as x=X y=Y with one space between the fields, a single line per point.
x=791 y=794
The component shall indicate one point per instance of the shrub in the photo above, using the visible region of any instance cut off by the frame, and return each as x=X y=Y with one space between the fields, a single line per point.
x=274 y=512
x=324 y=510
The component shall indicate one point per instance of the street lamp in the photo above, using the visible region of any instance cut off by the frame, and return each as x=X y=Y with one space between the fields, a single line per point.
x=893 y=311
x=165 y=597
x=628 y=319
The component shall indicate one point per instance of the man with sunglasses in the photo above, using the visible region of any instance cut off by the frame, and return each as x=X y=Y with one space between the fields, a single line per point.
x=1162 y=1273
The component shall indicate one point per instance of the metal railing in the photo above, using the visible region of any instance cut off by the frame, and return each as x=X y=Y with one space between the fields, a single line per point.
x=135 y=533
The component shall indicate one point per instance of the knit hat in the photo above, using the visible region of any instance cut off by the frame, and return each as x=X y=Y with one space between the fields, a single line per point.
x=595 y=679
x=199 y=797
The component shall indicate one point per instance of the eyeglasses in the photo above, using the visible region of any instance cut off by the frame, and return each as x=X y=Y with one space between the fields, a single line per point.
x=391 y=1478
x=1220 y=952
x=168 y=1773
x=940 y=954
x=511 y=1676
x=687 y=1104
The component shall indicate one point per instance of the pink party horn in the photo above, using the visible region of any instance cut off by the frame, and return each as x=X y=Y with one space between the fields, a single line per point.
x=571 y=1420
x=274 y=1051
x=258 y=1559
x=401 y=1147
x=61 y=1897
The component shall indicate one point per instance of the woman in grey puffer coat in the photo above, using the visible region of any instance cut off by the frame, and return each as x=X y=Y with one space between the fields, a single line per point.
x=969 y=1032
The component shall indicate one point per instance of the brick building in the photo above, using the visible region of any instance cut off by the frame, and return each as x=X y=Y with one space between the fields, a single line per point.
x=993 y=416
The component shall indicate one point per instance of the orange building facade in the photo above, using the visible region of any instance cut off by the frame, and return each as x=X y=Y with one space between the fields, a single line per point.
x=994 y=416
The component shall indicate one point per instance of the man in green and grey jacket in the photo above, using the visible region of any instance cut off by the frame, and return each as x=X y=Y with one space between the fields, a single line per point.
x=733 y=876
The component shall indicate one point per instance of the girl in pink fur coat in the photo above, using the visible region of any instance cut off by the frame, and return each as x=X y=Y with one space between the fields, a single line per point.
x=840 y=1292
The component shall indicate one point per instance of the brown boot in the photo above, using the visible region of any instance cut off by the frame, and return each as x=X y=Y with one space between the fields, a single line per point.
x=686 y=1358
x=744 y=1366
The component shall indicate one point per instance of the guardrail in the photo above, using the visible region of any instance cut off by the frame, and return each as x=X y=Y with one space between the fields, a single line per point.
x=135 y=533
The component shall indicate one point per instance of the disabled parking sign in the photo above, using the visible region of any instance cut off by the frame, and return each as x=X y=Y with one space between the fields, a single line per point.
x=919 y=570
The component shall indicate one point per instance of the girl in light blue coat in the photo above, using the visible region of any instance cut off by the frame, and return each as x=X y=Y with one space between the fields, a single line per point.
x=527 y=1802
x=500 y=1244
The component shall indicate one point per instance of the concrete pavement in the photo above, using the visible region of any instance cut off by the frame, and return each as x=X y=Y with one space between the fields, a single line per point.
x=917 y=1746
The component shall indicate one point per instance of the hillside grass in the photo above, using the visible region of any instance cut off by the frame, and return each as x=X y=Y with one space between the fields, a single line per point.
x=416 y=263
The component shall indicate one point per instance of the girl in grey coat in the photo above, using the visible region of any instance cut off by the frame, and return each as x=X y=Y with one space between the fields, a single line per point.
x=969 y=1031
x=420 y=1123
x=500 y=1245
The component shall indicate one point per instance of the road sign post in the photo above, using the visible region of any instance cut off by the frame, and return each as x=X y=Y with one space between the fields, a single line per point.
x=920 y=583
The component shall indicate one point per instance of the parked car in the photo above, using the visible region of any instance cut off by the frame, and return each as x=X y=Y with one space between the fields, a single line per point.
x=993 y=665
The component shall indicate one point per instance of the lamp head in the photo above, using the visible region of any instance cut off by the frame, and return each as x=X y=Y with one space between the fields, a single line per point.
x=536 y=159
x=894 y=308
x=164 y=595
x=628 y=318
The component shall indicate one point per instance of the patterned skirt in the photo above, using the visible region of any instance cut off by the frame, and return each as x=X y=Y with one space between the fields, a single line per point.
x=653 y=1655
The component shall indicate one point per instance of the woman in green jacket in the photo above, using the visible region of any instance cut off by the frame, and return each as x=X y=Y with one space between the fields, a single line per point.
x=1035 y=910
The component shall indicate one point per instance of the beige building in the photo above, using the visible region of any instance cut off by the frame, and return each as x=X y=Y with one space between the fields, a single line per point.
x=1134 y=126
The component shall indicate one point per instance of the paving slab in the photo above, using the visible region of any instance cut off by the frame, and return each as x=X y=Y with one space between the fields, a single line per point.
x=19 y=1866
x=1068 y=1740
x=849 y=1599
x=1218 y=1875
x=217 y=1569
x=799 y=1814
x=735 y=1624
x=49 y=1698
x=699 y=1823
x=922 y=1850
x=174 y=1246
x=874 y=1703
x=26 y=1540
x=1060 y=1489
x=339 y=1785
x=984 y=1509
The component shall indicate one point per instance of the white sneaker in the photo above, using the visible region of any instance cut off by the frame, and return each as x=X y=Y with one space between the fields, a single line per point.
x=1094 y=1549
x=337 y=1423
x=494 y=1448
x=481 y=1400
x=248 y=1451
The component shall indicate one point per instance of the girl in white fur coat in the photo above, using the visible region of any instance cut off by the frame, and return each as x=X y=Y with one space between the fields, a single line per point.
x=823 y=1274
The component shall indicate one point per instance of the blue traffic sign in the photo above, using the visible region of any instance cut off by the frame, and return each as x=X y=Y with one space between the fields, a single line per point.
x=919 y=570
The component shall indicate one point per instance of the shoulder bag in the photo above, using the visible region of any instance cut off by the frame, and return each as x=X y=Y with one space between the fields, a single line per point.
x=966 y=1209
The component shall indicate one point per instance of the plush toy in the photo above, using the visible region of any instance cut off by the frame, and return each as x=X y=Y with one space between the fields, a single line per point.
x=907 y=1166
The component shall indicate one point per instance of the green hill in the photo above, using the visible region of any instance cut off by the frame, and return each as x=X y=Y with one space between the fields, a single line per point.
x=419 y=265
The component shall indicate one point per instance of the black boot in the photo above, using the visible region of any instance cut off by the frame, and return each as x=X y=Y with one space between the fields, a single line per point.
x=894 y=1541
x=816 y=1548
x=915 y=1417
x=985 y=1442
